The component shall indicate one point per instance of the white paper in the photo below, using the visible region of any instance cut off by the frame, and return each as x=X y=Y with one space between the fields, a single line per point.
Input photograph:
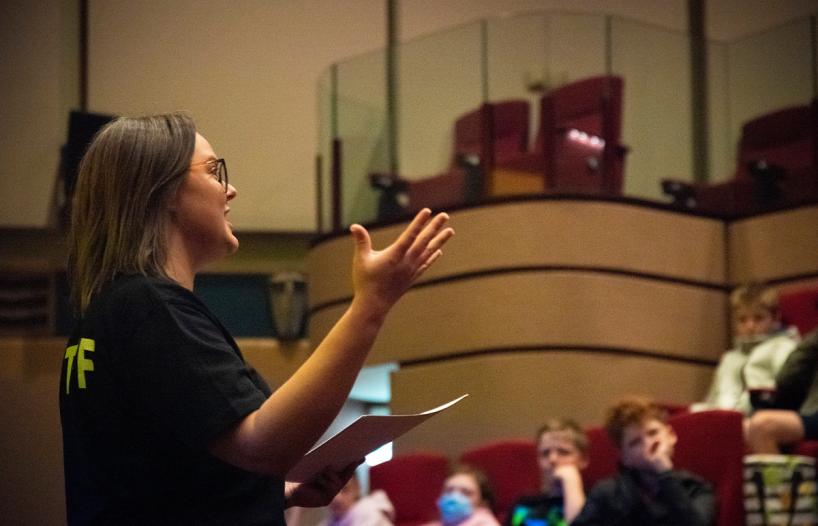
x=366 y=434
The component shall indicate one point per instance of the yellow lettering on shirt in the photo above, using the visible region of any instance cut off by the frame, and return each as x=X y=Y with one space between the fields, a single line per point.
x=84 y=364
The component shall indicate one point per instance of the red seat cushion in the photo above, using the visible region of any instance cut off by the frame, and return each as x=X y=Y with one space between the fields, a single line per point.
x=799 y=307
x=711 y=445
x=413 y=483
x=603 y=457
x=511 y=467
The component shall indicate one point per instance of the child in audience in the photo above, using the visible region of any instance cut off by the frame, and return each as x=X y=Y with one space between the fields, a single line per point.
x=761 y=345
x=647 y=490
x=349 y=508
x=562 y=451
x=466 y=500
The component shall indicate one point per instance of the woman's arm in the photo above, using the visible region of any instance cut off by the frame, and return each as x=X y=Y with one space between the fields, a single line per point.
x=273 y=438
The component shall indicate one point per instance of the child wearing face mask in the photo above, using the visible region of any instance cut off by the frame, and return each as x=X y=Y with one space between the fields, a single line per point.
x=562 y=451
x=745 y=377
x=647 y=490
x=466 y=500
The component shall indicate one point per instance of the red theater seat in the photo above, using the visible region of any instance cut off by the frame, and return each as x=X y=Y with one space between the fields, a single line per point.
x=603 y=457
x=799 y=307
x=413 y=483
x=495 y=132
x=711 y=445
x=578 y=148
x=511 y=466
x=775 y=167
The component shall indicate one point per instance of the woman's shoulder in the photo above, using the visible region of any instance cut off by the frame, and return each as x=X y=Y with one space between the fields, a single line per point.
x=137 y=287
x=138 y=295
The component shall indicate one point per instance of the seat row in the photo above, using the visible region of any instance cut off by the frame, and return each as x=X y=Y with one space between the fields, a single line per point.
x=576 y=150
x=710 y=445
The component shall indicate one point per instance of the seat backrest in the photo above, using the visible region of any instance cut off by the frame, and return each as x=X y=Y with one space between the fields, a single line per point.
x=586 y=104
x=511 y=467
x=711 y=445
x=785 y=137
x=580 y=130
x=510 y=125
x=603 y=457
x=496 y=128
x=413 y=483
x=799 y=307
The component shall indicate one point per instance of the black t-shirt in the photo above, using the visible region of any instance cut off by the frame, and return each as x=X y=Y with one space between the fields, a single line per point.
x=536 y=510
x=149 y=378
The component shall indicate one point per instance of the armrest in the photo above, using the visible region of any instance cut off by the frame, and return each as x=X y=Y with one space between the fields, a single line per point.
x=393 y=200
x=387 y=181
x=681 y=192
x=621 y=150
x=767 y=176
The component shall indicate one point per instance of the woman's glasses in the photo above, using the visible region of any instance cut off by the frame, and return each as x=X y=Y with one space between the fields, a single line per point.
x=218 y=169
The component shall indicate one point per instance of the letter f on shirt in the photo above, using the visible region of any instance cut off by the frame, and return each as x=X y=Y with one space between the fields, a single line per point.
x=83 y=364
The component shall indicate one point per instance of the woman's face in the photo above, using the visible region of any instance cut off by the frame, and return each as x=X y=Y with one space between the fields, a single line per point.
x=466 y=485
x=200 y=208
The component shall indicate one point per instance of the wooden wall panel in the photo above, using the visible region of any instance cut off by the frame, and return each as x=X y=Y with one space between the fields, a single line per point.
x=547 y=232
x=530 y=309
x=511 y=395
x=34 y=489
x=780 y=246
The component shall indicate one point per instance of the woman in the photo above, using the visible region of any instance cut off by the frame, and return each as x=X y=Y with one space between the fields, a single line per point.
x=163 y=421
x=466 y=500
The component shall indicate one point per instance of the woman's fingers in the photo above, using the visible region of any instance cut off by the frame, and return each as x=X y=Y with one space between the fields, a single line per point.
x=426 y=264
x=428 y=233
x=363 y=243
x=408 y=237
x=436 y=243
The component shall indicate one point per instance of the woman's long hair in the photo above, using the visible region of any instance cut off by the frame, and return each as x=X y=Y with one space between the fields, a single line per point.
x=126 y=179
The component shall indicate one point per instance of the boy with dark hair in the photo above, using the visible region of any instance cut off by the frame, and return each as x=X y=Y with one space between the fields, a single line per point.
x=647 y=490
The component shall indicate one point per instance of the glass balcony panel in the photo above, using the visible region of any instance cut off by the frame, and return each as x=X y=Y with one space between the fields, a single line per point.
x=441 y=78
x=657 y=114
x=362 y=129
x=326 y=125
x=769 y=71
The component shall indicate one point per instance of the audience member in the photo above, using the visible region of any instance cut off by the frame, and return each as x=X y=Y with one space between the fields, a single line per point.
x=350 y=508
x=761 y=345
x=797 y=398
x=467 y=500
x=647 y=490
x=562 y=451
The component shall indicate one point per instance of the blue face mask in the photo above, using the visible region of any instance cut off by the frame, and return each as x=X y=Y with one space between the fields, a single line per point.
x=454 y=508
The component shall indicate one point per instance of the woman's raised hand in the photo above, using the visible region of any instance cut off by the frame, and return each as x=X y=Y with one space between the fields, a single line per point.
x=380 y=277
